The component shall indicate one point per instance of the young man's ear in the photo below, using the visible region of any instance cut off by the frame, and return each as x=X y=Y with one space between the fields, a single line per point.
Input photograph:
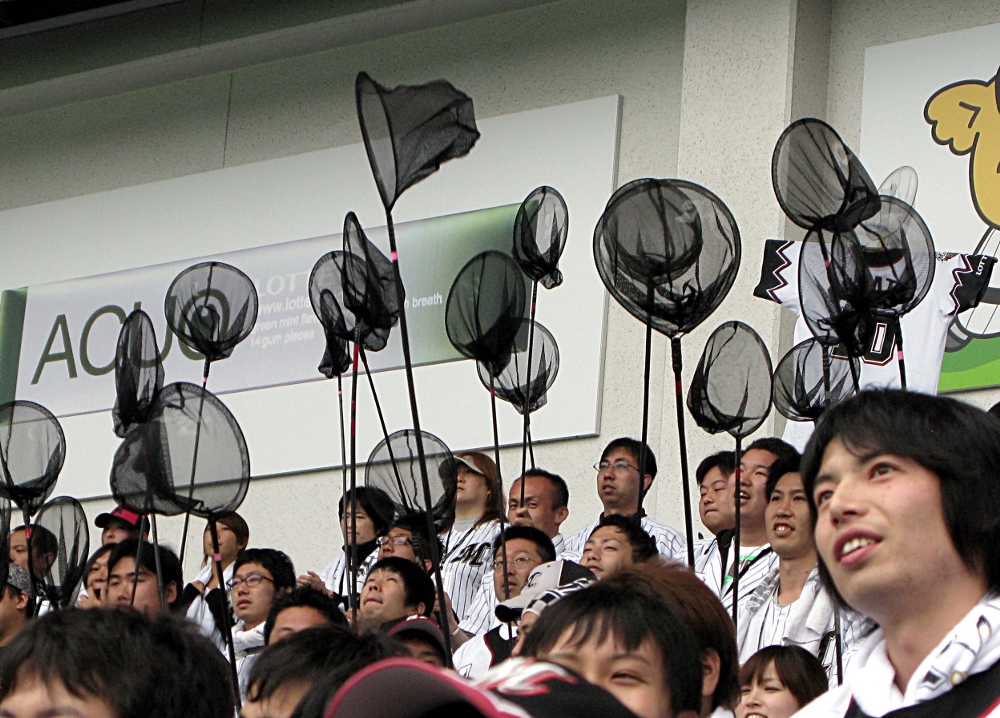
x=711 y=665
x=647 y=481
x=171 y=593
x=22 y=601
x=562 y=514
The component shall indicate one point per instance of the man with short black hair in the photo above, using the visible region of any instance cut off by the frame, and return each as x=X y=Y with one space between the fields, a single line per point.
x=16 y=604
x=545 y=508
x=260 y=575
x=716 y=505
x=619 y=487
x=395 y=588
x=904 y=493
x=718 y=563
x=115 y=664
x=616 y=544
x=122 y=574
x=408 y=538
x=299 y=609
x=527 y=548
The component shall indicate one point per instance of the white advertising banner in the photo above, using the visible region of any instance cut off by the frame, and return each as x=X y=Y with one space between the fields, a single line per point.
x=274 y=220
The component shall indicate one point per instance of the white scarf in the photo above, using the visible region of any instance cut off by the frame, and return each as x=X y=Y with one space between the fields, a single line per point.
x=971 y=647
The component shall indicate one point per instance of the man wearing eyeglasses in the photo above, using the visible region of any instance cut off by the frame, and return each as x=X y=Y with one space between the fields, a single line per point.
x=259 y=575
x=407 y=538
x=527 y=548
x=619 y=486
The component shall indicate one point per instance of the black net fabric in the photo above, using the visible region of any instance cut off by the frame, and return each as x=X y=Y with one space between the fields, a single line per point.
x=336 y=357
x=326 y=292
x=899 y=254
x=58 y=549
x=485 y=308
x=370 y=289
x=804 y=389
x=540 y=231
x=138 y=372
x=211 y=307
x=668 y=251
x=818 y=180
x=5 y=526
x=522 y=383
x=410 y=130
x=831 y=269
x=394 y=468
x=731 y=388
x=190 y=456
x=32 y=452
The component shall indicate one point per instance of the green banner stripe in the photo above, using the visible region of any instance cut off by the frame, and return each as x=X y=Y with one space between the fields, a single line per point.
x=12 y=304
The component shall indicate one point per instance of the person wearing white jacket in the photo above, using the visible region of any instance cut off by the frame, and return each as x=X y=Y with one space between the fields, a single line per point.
x=906 y=498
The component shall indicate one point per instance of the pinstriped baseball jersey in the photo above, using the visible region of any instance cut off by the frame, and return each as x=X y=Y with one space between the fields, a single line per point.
x=754 y=569
x=482 y=613
x=334 y=578
x=669 y=542
x=468 y=557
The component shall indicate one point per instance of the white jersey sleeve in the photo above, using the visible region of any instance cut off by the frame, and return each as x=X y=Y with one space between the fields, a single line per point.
x=481 y=616
x=467 y=559
x=334 y=575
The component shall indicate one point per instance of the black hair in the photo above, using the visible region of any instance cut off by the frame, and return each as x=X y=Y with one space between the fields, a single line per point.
x=307 y=597
x=546 y=549
x=305 y=656
x=376 y=504
x=276 y=562
x=633 y=446
x=626 y=608
x=799 y=670
x=560 y=494
x=369 y=648
x=778 y=469
x=418 y=586
x=140 y=668
x=643 y=545
x=781 y=449
x=170 y=565
x=416 y=524
x=957 y=442
x=724 y=461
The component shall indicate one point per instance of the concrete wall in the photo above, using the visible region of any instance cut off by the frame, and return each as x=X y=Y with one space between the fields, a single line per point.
x=707 y=87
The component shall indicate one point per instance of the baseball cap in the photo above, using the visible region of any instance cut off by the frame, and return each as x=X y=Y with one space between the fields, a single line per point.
x=19 y=578
x=518 y=688
x=544 y=578
x=418 y=624
x=120 y=514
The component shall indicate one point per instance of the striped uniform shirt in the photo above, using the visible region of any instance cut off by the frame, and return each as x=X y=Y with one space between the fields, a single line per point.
x=334 y=578
x=468 y=558
x=669 y=542
x=481 y=616
x=755 y=565
x=476 y=656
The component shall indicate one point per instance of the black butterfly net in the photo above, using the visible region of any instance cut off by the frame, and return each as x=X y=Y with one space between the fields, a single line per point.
x=731 y=392
x=32 y=452
x=370 y=290
x=394 y=468
x=731 y=388
x=211 y=307
x=190 y=456
x=138 y=372
x=540 y=231
x=6 y=510
x=668 y=251
x=485 y=309
x=819 y=181
x=58 y=550
x=810 y=378
x=523 y=382
x=336 y=357
x=410 y=130
x=327 y=285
